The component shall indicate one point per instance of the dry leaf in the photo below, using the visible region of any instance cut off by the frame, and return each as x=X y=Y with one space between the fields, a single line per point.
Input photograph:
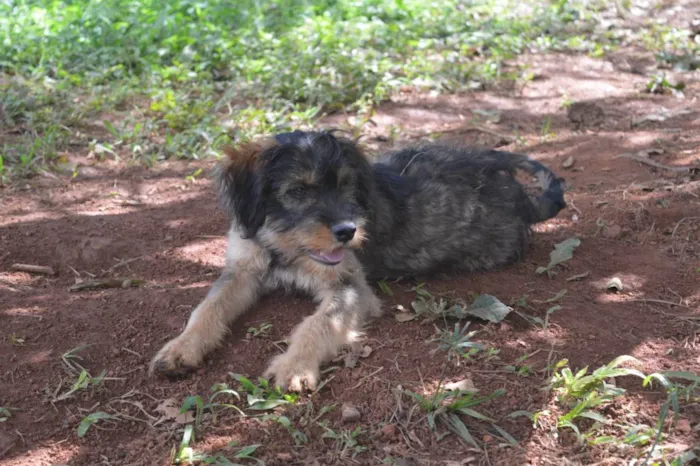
x=170 y=410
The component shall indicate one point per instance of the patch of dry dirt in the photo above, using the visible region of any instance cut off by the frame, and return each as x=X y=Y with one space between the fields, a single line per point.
x=637 y=222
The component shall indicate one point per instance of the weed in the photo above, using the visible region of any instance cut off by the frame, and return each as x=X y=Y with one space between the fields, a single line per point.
x=189 y=82
x=84 y=379
x=445 y=406
x=456 y=343
x=262 y=397
x=659 y=84
x=5 y=414
x=346 y=441
x=90 y=420
x=16 y=340
x=261 y=331
x=193 y=177
x=520 y=368
x=297 y=435
x=384 y=286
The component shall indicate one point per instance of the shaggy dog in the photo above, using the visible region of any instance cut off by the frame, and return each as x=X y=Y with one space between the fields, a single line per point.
x=309 y=211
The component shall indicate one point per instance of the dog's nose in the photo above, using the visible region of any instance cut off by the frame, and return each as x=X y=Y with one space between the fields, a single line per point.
x=344 y=232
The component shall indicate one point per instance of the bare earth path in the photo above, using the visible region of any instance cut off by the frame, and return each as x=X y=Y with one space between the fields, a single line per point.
x=637 y=222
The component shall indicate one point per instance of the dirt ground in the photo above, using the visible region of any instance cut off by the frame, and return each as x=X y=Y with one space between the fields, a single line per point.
x=636 y=220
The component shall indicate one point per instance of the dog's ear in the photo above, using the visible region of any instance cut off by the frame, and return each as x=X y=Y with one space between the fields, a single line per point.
x=241 y=184
x=363 y=168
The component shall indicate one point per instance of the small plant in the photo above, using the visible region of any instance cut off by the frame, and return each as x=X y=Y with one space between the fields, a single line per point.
x=445 y=406
x=193 y=177
x=261 y=331
x=659 y=84
x=384 y=286
x=298 y=436
x=5 y=414
x=675 y=392
x=84 y=381
x=546 y=130
x=201 y=407
x=580 y=393
x=346 y=442
x=90 y=420
x=186 y=454
x=456 y=343
x=520 y=368
x=262 y=397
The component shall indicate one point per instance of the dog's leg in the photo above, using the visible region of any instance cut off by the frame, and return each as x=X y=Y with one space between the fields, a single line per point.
x=232 y=294
x=336 y=322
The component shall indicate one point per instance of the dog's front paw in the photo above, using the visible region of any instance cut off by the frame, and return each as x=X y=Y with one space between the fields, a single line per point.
x=177 y=358
x=294 y=372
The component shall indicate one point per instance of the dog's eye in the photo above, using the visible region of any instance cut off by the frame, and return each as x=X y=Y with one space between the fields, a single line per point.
x=298 y=191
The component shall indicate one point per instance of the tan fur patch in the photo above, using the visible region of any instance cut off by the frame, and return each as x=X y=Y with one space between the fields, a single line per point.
x=359 y=238
x=245 y=155
x=318 y=237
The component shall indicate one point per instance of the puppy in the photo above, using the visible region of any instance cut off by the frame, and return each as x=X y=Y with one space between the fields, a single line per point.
x=309 y=211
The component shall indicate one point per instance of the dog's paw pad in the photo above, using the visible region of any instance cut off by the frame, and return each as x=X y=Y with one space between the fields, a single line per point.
x=293 y=374
x=174 y=360
x=171 y=370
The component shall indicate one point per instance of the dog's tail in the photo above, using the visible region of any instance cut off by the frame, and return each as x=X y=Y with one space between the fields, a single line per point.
x=551 y=200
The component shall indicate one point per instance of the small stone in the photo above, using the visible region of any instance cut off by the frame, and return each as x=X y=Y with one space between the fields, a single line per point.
x=683 y=426
x=349 y=413
x=284 y=456
x=464 y=385
x=612 y=231
x=487 y=438
x=614 y=285
x=568 y=162
x=389 y=432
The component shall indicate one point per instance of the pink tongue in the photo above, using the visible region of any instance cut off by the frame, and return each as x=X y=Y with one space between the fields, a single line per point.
x=334 y=256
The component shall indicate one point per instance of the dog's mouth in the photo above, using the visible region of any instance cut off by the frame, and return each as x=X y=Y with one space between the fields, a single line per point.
x=333 y=257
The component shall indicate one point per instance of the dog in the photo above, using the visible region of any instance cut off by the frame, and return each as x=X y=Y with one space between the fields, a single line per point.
x=309 y=211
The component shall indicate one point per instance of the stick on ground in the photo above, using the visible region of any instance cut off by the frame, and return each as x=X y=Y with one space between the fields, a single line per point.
x=40 y=269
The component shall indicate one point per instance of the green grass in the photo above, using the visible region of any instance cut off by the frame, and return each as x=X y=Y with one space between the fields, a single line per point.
x=147 y=80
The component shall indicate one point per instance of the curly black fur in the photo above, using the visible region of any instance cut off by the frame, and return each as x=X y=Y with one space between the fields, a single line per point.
x=425 y=208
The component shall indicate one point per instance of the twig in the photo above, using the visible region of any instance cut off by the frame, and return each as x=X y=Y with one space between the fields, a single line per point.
x=689 y=219
x=40 y=269
x=573 y=206
x=655 y=164
x=658 y=301
x=648 y=232
x=122 y=263
x=362 y=380
x=131 y=351
x=107 y=283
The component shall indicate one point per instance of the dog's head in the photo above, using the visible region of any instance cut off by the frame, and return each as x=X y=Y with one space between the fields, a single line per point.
x=305 y=193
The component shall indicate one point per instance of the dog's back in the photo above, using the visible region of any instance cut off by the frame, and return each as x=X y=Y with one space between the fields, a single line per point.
x=443 y=207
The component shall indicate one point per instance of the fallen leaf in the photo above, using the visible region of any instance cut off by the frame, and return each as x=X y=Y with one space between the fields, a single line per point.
x=489 y=308
x=170 y=410
x=563 y=252
x=568 y=162
x=404 y=317
x=412 y=435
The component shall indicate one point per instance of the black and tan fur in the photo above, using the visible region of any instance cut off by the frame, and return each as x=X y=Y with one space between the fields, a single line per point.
x=309 y=211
